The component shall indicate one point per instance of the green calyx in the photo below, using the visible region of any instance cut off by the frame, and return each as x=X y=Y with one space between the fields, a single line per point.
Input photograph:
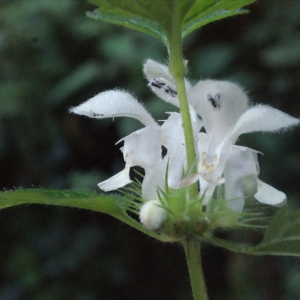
x=185 y=217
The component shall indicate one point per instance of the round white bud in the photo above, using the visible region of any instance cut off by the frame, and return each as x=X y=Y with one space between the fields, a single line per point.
x=152 y=214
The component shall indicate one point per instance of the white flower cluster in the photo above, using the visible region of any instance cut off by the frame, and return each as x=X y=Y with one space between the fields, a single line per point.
x=225 y=115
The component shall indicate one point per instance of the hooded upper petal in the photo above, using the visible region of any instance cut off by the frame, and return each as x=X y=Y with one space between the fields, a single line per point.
x=262 y=118
x=220 y=104
x=153 y=69
x=165 y=90
x=114 y=104
x=161 y=81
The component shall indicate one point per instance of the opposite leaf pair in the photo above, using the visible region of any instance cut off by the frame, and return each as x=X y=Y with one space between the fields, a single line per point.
x=224 y=109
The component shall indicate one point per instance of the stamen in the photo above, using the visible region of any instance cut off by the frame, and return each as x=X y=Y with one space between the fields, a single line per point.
x=158 y=84
x=215 y=101
x=164 y=151
x=169 y=91
x=96 y=115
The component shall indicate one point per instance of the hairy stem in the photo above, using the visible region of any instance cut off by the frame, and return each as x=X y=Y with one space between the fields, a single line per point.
x=192 y=251
x=177 y=70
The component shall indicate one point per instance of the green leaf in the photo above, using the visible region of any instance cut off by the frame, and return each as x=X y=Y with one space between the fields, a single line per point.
x=282 y=237
x=151 y=17
x=229 y=245
x=204 y=12
x=110 y=204
x=156 y=17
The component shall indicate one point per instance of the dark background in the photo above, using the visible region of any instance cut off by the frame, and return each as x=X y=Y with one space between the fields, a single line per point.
x=53 y=57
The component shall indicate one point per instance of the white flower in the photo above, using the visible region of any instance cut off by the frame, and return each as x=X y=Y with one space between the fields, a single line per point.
x=142 y=147
x=242 y=165
x=162 y=84
x=223 y=107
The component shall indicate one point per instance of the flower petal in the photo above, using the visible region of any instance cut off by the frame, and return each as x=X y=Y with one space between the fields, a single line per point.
x=172 y=132
x=165 y=90
x=262 y=118
x=153 y=69
x=269 y=195
x=172 y=137
x=212 y=157
x=117 y=181
x=237 y=202
x=219 y=103
x=176 y=162
x=154 y=179
x=143 y=148
x=161 y=82
x=197 y=123
x=242 y=163
x=114 y=104
x=211 y=163
x=189 y=180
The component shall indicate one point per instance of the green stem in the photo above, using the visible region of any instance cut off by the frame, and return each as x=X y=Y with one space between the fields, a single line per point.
x=177 y=70
x=192 y=251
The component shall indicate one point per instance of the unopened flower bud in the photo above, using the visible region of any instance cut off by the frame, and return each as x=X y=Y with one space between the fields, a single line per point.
x=152 y=214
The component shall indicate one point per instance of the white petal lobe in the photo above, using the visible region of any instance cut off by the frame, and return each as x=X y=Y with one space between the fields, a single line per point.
x=153 y=69
x=269 y=195
x=172 y=137
x=114 y=104
x=262 y=118
x=117 y=181
x=241 y=164
x=165 y=90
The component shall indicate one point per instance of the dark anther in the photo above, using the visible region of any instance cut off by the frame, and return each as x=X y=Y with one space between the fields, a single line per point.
x=215 y=101
x=154 y=82
x=164 y=151
x=96 y=115
x=169 y=91
x=204 y=208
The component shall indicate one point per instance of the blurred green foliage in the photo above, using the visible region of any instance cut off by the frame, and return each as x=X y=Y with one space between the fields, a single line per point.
x=53 y=57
